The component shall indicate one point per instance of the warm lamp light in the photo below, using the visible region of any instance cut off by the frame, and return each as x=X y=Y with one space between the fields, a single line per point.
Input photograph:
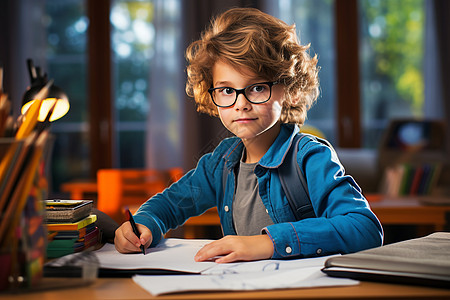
x=55 y=94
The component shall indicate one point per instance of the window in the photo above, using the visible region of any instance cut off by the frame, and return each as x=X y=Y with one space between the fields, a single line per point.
x=391 y=47
x=133 y=52
x=391 y=59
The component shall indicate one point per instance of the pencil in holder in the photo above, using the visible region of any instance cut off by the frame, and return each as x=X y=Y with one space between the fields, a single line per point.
x=23 y=236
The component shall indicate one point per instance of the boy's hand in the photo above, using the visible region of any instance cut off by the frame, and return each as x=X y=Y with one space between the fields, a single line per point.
x=126 y=241
x=236 y=248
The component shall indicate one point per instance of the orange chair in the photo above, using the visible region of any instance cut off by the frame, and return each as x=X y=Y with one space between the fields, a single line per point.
x=120 y=188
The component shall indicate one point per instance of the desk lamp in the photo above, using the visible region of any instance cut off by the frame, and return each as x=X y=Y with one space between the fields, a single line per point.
x=55 y=94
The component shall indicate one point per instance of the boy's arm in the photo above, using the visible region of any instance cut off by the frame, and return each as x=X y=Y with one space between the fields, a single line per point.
x=190 y=196
x=344 y=220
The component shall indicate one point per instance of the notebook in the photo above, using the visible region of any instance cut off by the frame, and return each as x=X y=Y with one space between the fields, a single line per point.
x=420 y=261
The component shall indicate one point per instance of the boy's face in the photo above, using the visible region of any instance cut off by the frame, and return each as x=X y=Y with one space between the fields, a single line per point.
x=246 y=120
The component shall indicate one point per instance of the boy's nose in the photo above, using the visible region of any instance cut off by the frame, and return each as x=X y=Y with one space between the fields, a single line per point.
x=242 y=103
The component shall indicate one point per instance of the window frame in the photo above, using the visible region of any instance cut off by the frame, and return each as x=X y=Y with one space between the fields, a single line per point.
x=347 y=75
x=101 y=103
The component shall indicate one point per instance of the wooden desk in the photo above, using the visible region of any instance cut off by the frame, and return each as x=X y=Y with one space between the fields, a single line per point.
x=125 y=288
x=410 y=211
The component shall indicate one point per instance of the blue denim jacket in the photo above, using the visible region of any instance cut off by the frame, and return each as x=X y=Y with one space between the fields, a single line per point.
x=344 y=220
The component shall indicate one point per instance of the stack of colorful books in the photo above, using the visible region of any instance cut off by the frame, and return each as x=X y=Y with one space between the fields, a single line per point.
x=71 y=227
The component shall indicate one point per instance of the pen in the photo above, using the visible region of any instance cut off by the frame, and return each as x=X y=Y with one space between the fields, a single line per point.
x=135 y=230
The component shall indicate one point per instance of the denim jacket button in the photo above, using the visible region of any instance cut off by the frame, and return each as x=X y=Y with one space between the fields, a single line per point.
x=318 y=251
x=267 y=211
x=288 y=250
x=226 y=208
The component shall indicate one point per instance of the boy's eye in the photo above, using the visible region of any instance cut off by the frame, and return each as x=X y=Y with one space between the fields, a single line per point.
x=226 y=91
x=257 y=88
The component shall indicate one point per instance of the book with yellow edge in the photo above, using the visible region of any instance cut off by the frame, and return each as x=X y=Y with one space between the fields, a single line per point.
x=72 y=226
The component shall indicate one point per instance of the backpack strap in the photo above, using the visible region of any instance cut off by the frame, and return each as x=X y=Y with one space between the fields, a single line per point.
x=294 y=183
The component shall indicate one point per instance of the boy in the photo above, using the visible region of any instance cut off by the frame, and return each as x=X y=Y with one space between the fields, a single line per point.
x=250 y=71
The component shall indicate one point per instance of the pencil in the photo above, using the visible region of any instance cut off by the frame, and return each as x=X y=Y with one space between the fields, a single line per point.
x=135 y=230
x=17 y=171
x=15 y=206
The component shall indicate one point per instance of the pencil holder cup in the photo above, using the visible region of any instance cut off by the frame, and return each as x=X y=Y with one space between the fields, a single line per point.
x=23 y=235
x=22 y=260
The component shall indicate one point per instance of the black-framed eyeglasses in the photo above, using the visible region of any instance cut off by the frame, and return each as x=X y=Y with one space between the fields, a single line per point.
x=255 y=93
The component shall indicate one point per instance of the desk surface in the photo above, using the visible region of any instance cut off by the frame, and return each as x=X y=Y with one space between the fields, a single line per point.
x=125 y=288
x=411 y=211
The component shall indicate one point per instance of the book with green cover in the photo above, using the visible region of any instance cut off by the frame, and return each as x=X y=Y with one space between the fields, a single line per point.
x=63 y=246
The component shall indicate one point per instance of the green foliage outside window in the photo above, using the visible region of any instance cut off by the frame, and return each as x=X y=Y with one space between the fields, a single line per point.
x=396 y=35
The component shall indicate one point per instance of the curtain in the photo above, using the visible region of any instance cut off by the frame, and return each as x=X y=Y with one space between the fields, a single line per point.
x=165 y=120
x=18 y=43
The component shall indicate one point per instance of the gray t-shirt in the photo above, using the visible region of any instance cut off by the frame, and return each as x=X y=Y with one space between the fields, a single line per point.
x=249 y=213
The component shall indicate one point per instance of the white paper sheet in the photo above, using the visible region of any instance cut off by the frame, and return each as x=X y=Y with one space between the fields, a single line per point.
x=178 y=255
x=170 y=254
x=281 y=279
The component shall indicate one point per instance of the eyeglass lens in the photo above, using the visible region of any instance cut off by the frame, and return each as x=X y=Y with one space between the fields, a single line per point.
x=255 y=93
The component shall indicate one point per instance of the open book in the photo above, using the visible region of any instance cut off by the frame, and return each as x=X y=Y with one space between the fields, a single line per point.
x=422 y=261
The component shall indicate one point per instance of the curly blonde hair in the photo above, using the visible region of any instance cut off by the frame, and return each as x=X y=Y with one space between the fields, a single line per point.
x=247 y=37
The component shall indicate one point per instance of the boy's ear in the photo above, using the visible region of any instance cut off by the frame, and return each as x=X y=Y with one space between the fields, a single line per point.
x=289 y=100
x=293 y=100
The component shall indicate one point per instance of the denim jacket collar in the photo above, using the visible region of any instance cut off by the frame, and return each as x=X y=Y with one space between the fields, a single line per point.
x=273 y=157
